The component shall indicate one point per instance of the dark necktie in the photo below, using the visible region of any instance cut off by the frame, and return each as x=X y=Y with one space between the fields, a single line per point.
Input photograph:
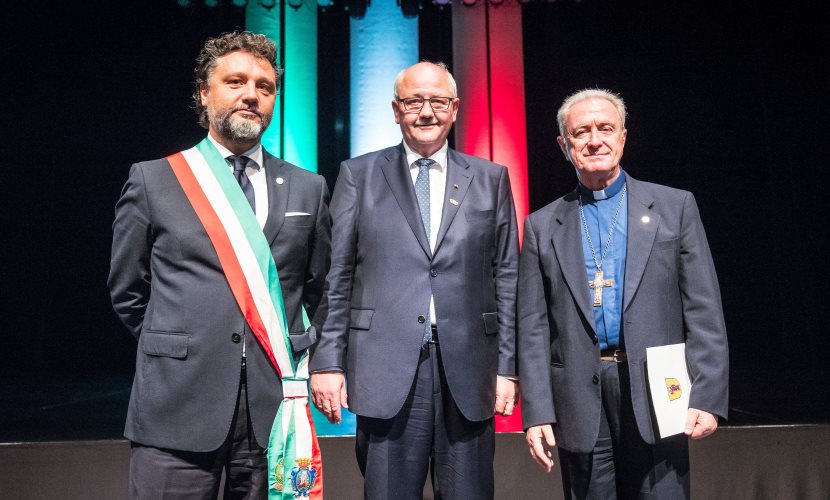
x=422 y=193
x=239 y=164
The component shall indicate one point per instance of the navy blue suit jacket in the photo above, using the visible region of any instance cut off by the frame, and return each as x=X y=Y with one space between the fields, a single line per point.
x=383 y=274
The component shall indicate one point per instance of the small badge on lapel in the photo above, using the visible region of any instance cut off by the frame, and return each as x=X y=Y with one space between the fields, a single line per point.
x=645 y=219
x=455 y=186
x=453 y=201
x=280 y=180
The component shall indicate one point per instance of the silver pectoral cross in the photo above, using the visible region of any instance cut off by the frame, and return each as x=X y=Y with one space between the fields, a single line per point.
x=597 y=284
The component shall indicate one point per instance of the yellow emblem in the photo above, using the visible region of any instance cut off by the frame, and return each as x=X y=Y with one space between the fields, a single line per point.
x=673 y=386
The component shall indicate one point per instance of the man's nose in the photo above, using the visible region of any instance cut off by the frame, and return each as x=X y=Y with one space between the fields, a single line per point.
x=594 y=139
x=249 y=92
x=426 y=109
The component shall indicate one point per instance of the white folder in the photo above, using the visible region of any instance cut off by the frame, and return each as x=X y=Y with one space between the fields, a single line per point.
x=668 y=379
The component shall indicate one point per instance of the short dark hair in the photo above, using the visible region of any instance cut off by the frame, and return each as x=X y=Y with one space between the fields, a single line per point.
x=257 y=45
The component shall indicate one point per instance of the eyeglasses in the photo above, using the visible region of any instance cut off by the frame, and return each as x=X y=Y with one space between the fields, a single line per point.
x=416 y=103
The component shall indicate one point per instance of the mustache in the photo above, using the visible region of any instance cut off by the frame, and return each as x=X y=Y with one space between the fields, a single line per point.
x=249 y=110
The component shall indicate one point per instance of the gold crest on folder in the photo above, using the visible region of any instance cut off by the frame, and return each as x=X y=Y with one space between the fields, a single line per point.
x=673 y=386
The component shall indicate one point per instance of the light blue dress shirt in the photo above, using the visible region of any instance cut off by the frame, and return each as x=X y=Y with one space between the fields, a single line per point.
x=599 y=208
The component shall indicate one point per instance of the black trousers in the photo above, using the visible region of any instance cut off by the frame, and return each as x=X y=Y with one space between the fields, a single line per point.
x=622 y=465
x=161 y=474
x=395 y=454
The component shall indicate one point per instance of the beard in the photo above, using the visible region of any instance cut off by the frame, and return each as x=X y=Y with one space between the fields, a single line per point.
x=239 y=130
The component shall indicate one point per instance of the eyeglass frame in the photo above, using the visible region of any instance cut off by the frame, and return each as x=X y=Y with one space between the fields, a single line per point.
x=424 y=100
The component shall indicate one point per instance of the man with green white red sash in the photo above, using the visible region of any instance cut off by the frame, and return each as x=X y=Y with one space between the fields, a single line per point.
x=218 y=261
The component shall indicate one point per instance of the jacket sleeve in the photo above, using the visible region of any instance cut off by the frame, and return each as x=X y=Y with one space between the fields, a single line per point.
x=533 y=336
x=506 y=271
x=707 y=353
x=319 y=261
x=330 y=353
x=129 y=278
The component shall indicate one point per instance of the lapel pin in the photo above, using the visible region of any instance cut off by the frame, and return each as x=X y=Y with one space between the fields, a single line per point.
x=455 y=186
x=645 y=219
x=453 y=201
x=280 y=180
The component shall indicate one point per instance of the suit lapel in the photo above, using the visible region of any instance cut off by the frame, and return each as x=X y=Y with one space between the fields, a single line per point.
x=277 y=194
x=566 y=236
x=458 y=174
x=397 y=175
x=640 y=237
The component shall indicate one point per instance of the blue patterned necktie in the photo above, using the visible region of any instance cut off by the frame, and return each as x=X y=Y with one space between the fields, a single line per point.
x=239 y=164
x=422 y=192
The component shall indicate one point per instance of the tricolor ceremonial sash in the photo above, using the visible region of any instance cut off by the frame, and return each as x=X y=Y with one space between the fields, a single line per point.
x=294 y=464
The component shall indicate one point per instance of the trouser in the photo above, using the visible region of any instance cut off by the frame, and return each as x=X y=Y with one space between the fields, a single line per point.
x=622 y=465
x=158 y=473
x=395 y=454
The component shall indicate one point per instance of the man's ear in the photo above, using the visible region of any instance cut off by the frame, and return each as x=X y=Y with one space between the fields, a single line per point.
x=563 y=145
x=203 y=92
x=397 y=110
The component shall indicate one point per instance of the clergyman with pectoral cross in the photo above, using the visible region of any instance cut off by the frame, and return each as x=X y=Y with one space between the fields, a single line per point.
x=612 y=268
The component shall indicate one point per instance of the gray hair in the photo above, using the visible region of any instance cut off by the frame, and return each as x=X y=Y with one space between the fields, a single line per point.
x=453 y=86
x=586 y=94
x=255 y=44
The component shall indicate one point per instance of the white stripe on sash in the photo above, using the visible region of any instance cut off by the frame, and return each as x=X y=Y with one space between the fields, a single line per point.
x=245 y=254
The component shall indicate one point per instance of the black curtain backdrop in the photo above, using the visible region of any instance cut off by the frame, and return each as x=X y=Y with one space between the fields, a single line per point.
x=725 y=100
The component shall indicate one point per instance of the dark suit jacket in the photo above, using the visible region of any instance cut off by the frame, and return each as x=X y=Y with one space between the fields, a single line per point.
x=168 y=288
x=383 y=274
x=670 y=295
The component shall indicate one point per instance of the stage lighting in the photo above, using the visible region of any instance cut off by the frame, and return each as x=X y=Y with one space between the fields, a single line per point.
x=295 y=4
x=185 y=3
x=325 y=3
x=212 y=3
x=496 y=2
x=268 y=4
x=468 y=3
x=441 y=3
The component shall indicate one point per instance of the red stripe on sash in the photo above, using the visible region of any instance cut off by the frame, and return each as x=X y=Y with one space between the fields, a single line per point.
x=224 y=250
x=316 y=491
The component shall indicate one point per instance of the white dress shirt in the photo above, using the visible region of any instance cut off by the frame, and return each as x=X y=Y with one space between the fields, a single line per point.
x=437 y=189
x=259 y=181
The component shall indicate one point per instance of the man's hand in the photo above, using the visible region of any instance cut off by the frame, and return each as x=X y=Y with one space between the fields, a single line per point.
x=328 y=391
x=507 y=395
x=700 y=424
x=535 y=442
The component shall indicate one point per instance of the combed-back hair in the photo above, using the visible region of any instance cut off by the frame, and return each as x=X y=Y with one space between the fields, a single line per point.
x=585 y=94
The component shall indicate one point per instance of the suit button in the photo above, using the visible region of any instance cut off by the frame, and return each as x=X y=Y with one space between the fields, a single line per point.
x=595 y=379
x=421 y=319
x=236 y=338
x=433 y=273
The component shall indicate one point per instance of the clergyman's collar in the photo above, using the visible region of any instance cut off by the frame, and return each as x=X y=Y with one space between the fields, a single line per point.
x=609 y=192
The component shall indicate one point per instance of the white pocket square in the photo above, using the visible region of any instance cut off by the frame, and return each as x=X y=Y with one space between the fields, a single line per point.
x=295 y=214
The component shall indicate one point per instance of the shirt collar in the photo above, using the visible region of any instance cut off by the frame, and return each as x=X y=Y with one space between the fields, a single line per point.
x=255 y=153
x=608 y=192
x=439 y=157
